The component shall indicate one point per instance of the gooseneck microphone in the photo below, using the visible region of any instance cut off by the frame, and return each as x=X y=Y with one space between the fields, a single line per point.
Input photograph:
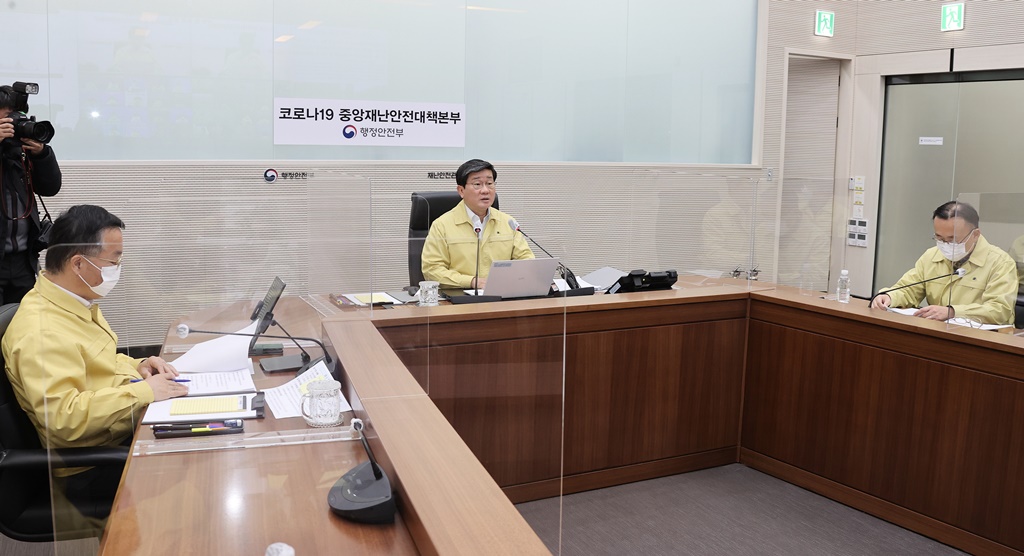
x=960 y=272
x=567 y=274
x=476 y=277
x=363 y=494
x=300 y=363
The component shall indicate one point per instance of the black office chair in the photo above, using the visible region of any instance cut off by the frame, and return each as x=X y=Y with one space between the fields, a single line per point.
x=426 y=207
x=25 y=509
x=1019 y=323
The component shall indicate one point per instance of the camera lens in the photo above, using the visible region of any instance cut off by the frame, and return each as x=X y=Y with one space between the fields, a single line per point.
x=30 y=129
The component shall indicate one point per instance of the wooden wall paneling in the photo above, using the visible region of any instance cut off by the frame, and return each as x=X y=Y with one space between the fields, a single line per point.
x=650 y=393
x=991 y=353
x=918 y=433
x=505 y=401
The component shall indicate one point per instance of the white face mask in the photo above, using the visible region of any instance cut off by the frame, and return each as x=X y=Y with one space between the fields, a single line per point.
x=952 y=251
x=111 y=274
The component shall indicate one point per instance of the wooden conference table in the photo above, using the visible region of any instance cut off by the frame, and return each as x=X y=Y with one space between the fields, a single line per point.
x=897 y=416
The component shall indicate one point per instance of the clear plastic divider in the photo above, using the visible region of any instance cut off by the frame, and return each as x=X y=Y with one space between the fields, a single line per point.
x=191 y=464
x=986 y=249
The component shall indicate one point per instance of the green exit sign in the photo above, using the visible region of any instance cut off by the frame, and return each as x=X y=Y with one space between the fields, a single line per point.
x=953 y=17
x=824 y=23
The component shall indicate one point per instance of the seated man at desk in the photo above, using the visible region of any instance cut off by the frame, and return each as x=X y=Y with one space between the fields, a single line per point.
x=61 y=355
x=450 y=251
x=986 y=293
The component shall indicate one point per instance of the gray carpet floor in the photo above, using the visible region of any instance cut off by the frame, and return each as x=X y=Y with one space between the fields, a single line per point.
x=726 y=510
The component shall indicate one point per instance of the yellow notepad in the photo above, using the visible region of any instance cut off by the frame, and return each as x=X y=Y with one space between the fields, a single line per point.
x=198 y=406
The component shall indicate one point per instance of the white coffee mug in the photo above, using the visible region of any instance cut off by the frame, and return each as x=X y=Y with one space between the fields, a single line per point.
x=321 y=404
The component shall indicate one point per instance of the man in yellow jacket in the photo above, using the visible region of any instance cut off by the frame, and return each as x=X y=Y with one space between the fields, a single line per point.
x=450 y=251
x=60 y=353
x=986 y=292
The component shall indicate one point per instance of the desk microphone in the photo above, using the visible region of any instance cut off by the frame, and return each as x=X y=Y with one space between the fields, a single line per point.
x=567 y=274
x=478 y=296
x=364 y=493
x=300 y=363
x=958 y=272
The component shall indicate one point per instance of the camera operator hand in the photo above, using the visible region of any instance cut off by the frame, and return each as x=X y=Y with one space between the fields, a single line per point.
x=6 y=128
x=35 y=148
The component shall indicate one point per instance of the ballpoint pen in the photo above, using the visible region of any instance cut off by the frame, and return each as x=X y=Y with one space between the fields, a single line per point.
x=175 y=380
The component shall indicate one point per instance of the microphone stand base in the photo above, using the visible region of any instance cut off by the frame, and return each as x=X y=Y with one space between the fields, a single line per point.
x=462 y=299
x=589 y=290
x=283 y=364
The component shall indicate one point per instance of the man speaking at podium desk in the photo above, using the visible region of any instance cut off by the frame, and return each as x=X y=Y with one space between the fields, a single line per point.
x=985 y=292
x=450 y=253
x=61 y=355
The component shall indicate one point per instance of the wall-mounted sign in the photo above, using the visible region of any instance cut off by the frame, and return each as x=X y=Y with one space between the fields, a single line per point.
x=315 y=121
x=953 y=17
x=935 y=141
x=824 y=23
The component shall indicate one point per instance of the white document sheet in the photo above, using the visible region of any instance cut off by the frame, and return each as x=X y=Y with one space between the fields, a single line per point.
x=909 y=311
x=223 y=354
x=285 y=400
x=210 y=384
x=603 y=278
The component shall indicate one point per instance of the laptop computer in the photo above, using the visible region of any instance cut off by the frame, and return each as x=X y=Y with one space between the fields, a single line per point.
x=522 y=278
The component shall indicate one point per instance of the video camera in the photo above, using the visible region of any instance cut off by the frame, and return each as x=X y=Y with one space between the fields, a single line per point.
x=24 y=125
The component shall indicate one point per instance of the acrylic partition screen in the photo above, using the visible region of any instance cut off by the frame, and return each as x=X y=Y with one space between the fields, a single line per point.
x=990 y=294
x=652 y=378
x=620 y=81
x=491 y=364
x=226 y=281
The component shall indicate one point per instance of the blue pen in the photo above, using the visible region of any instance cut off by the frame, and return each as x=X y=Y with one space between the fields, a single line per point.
x=175 y=380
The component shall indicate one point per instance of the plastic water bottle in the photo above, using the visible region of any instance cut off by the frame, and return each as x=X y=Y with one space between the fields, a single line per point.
x=843 y=287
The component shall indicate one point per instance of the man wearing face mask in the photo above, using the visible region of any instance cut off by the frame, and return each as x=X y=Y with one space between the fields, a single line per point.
x=987 y=291
x=61 y=355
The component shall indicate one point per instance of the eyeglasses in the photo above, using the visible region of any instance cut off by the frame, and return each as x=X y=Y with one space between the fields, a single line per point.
x=115 y=263
x=479 y=186
x=937 y=237
x=964 y=321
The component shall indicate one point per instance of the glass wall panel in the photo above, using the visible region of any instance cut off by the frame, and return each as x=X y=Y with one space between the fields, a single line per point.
x=918 y=168
x=537 y=81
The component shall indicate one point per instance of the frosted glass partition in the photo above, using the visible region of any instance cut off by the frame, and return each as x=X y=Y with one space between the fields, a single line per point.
x=615 y=81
